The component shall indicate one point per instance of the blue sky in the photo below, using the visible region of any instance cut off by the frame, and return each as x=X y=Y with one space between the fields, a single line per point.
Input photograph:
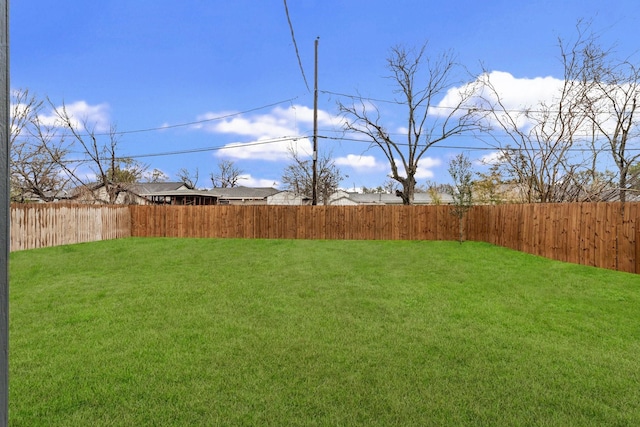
x=195 y=76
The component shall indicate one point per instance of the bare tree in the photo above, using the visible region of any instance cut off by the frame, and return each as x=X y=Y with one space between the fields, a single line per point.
x=540 y=155
x=110 y=170
x=227 y=175
x=426 y=125
x=613 y=103
x=37 y=149
x=191 y=179
x=390 y=186
x=373 y=190
x=156 y=175
x=540 y=138
x=461 y=174
x=298 y=176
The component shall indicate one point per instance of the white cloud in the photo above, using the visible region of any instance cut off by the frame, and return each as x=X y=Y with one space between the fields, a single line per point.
x=522 y=93
x=429 y=162
x=515 y=94
x=453 y=99
x=266 y=149
x=258 y=127
x=371 y=164
x=424 y=167
x=278 y=123
x=491 y=158
x=247 y=180
x=360 y=163
x=96 y=116
x=273 y=134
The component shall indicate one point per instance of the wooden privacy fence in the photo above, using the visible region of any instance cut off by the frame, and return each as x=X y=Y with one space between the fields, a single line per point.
x=296 y=222
x=596 y=234
x=42 y=225
x=593 y=234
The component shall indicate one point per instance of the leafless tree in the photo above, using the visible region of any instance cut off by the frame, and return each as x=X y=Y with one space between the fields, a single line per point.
x=596 y=103
x=613 y=103
x=388 y=187
x=426 y=124
x=189 y=178
x=373 y=190
x=156 y=175
x=539 y=155
x=100 y=153
x=37 y=149
x=298 y=176
x=227 y=175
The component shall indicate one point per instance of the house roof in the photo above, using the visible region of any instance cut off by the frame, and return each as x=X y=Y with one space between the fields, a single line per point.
x=180 y=192
x=156 y=187
x=138 y=188
x=243 y=192
x=392 y=199
x=288 y=193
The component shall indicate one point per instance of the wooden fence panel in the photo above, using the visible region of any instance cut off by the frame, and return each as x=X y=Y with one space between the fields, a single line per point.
x=627 y=239
x=42 y=225
x=637 y=240
x=610 y=224
x=478 y=223
x=587 y=235
x=595 y=234
x=573 y=233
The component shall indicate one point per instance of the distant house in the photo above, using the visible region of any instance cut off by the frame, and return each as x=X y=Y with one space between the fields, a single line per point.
x=345 y=198
x=288 y=198
x=165 y=193
x=243 y=195
x=96 y=193
x=173 y=193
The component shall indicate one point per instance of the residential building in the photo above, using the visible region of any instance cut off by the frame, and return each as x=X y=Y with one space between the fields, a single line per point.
x=345 y=198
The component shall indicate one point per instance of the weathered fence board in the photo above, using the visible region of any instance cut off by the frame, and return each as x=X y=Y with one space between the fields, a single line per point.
x=40 y=225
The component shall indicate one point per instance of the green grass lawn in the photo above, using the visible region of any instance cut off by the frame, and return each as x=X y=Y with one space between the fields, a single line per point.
x=196 y=332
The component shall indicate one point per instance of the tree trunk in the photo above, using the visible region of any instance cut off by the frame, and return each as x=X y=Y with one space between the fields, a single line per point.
x=408 y=190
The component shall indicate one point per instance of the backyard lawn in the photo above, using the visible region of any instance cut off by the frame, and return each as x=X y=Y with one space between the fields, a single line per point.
x=202 y=332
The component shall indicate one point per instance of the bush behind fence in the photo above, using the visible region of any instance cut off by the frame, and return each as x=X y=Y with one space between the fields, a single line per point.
x=596 y=234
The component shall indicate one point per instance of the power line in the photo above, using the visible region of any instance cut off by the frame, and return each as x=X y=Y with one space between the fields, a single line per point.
x=240 y=145
x=197 y=122
x=466 y=108
x=192 y=150
x=346 y=95
x=217 y=148
x=295 y=45
x=486 y=147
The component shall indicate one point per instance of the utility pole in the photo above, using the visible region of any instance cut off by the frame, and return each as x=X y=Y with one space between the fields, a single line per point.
x=4 y=213
x=314 y=195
